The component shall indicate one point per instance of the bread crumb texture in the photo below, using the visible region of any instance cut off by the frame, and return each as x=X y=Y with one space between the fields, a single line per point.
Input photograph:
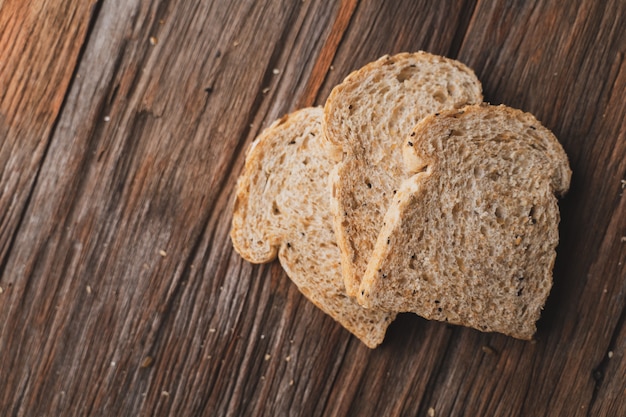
x=406 y=193
x=366 y=121
x=282 y=209
x=471 y=239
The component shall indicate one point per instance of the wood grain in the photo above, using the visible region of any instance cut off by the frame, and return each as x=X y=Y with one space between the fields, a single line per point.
x=123 y=127
x=39 y=42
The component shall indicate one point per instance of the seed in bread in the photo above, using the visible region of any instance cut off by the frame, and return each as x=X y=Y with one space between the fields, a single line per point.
x=282 y=209
x=366 y=119
x=470 y=237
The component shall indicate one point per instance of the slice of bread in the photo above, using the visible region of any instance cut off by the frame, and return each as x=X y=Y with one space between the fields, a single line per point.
x=282 y=208
x=366 y=119
x=470 y=237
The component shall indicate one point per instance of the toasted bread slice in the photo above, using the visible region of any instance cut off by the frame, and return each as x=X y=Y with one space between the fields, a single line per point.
x=366 y=119
x=470 y=237
x=282 y=208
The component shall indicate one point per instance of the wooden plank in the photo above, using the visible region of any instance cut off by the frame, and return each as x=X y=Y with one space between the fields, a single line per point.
x=124 y=255
x=378 y=28
x=39 y=45
x=121 y=293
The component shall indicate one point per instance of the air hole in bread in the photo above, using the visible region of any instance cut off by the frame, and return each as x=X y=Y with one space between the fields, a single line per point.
x=531 y=216
x=423 y=169
x=499 y=212
x=456 y=209
x=405 y=74
x=306 y=161
x=275 y=209
x=479 y=172
x=460 y=263
x=503 y=137
x=439 y=96
x=452 y=89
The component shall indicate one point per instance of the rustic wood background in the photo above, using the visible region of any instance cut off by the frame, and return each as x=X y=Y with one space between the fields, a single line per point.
x=123 y=127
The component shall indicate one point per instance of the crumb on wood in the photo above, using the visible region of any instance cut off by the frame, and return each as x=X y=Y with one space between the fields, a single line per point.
x=287 y=358
x=623 y=239
x=267 y=356
x=107 y=118
x=147 y=362
x=275 y=71
x=165 y=393
x=431 y=412
x=162 y=253
x=265 y=90
x=212 y=330
x=623 y=182
x=610 y=354
x=236 y=43
x=88 y=288
x=1 y=290
x=153 y=40
x=488 y=350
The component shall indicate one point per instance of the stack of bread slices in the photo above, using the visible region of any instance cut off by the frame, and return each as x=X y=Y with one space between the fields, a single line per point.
x=407 y=193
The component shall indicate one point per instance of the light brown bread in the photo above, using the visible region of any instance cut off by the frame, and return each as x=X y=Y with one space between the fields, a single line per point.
x=282 y=208
x=366 y=119
x=470 y=237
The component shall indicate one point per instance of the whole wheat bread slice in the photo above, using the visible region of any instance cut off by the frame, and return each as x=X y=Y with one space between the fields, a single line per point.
x=366 y=119
x=282 y=208
x=470 y=237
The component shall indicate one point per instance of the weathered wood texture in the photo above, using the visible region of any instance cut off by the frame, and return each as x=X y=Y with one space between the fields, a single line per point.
x=123 y=127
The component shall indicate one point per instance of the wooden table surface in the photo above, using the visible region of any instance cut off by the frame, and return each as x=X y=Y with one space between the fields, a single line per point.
x=123 y=128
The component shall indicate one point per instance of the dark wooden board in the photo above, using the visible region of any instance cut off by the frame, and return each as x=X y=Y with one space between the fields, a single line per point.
x=123 y=128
